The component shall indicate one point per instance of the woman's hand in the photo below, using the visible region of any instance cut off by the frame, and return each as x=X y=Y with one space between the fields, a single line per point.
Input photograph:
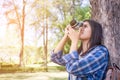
x=74 y=37
x=67 y=30
x=73 y=34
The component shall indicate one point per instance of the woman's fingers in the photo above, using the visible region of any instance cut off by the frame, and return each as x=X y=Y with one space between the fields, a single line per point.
x=71 y=30
x=67 y=29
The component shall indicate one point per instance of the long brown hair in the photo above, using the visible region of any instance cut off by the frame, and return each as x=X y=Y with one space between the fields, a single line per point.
x=96 y=36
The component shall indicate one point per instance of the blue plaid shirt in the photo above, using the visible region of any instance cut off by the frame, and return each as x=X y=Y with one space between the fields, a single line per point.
x=91 y=66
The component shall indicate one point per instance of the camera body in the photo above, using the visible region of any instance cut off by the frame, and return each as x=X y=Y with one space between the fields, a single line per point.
x=76 y=25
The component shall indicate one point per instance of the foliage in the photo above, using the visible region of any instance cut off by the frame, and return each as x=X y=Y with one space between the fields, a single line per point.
x=81 y=13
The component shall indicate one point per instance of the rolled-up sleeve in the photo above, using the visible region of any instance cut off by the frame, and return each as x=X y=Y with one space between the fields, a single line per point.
x=57 y=58
x=61 y=59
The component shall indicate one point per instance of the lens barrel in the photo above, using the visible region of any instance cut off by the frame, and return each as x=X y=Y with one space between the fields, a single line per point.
x=75 y=24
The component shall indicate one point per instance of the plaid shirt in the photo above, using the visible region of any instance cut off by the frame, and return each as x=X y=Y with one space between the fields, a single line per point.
x=91 y=66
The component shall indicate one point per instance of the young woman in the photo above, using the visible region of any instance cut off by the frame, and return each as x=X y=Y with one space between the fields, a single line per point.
x=90 y=60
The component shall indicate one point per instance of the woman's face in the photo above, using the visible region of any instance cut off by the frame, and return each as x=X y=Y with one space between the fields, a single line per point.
x=85 y=31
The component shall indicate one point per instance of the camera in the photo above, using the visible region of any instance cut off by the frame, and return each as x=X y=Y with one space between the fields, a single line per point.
x=76 y=25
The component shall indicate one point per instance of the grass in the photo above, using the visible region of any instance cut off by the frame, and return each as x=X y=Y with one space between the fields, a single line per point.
x=15 y=72
x=29 y=69
x=15 y=68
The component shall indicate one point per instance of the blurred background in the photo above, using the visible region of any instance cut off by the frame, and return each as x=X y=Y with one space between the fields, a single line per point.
x=30 y=30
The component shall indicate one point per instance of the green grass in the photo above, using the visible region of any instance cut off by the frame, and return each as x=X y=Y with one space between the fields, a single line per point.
x=12 y=69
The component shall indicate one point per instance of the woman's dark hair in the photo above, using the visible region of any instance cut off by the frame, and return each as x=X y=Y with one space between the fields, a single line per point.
x=96 y=36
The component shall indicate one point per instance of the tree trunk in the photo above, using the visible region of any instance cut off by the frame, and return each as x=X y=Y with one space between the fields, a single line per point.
x=45 y=40
x=46 y=45
x=22 y=36
x=107 y=12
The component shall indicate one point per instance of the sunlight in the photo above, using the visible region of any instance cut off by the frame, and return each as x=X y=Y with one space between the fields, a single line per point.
x=36 y=42
x=2 y=32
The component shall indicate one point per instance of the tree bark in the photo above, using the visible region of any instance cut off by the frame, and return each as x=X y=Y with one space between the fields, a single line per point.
x=107 y=12
x=22 y=36
x=45 y=37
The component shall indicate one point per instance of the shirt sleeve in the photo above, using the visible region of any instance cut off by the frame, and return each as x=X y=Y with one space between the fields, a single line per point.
x=57 y=58
x=86 y=65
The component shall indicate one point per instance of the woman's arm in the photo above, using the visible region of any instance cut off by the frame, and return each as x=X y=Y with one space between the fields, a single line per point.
x=57 y=53
x=61 y=44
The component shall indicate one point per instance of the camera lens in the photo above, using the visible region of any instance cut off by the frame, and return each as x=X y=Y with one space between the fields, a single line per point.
x=75 y=24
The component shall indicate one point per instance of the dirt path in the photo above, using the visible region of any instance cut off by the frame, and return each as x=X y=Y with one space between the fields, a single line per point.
x=35 y=76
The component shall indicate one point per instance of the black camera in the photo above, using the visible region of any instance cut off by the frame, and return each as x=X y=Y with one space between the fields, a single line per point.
x=76 y=25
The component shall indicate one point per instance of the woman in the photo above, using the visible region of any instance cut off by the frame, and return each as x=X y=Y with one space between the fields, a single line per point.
x=90 y=60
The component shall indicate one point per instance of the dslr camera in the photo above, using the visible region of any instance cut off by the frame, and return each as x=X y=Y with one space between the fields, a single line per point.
x=76 y=25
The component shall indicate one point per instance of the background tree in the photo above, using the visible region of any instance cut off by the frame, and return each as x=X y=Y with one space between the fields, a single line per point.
x=22 y=34
x=107 y=12
x=68 y=9
x=17 y=19
x=43 y=16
